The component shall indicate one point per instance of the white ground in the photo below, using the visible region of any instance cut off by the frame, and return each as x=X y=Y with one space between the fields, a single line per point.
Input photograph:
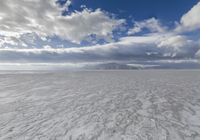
x=100 y=105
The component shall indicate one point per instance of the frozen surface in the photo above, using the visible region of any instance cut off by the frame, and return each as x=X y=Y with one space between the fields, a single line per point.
x=100 y=105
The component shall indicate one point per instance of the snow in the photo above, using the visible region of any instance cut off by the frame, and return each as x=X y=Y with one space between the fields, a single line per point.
x=100 y=105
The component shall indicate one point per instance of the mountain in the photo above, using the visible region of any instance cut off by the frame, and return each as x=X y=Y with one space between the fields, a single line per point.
x=111 y=66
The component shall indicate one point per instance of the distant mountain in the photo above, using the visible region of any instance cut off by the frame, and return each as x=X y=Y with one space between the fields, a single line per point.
x=111 y=66
x=132 y=66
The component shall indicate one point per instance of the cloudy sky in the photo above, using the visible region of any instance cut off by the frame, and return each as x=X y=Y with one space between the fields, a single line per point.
x=78 y=32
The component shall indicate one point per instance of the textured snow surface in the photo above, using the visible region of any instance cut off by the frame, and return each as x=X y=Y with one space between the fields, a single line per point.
x=100 y=105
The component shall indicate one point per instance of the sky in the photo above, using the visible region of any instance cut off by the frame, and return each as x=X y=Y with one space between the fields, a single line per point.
x=74 y=33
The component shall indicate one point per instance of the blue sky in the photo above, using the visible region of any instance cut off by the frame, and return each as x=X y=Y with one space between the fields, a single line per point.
x=166 y=10
x=100 y=31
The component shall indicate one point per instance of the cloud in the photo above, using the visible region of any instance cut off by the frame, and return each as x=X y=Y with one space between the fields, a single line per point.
x=44 y=17
x=175 y=42
x=180 y=46
x=190 y=21
x=152 y=24
x=197 y=54
x=153 y=47
x=47 y=47
x=40 y=66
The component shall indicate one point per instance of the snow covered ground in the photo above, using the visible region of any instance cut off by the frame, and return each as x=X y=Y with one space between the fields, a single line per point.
x=100 y=105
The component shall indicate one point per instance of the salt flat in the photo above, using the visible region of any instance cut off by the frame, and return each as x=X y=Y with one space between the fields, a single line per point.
x=100 y=105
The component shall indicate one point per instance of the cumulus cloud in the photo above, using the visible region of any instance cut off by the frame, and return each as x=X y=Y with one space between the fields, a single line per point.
x=44 y=17
x=191 y=20
x=152 y=24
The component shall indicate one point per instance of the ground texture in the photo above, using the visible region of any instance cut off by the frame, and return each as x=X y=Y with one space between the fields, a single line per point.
x=100 y=105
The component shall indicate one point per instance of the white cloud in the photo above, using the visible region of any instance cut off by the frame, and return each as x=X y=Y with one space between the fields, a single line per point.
x=154 y=47
x=44 y=18
x=191 y=20
x=152 y=24
x=175 y=42
x=47 y=47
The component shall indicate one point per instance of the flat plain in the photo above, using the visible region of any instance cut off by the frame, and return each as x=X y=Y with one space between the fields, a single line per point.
x=100 y=105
